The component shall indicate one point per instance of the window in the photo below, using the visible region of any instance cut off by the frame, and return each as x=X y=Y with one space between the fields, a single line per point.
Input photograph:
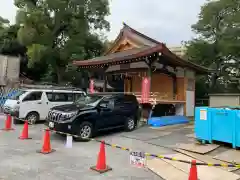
x=107 y=103
x=50 y=96
x=17 y=95
x=70 y=97
x=89 y=99
x=33 y=96
x=78 y=96
x=60 y=97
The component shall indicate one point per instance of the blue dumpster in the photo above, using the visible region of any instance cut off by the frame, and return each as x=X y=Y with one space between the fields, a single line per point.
x=237 y=128
x=220 y=124
x=203 y=124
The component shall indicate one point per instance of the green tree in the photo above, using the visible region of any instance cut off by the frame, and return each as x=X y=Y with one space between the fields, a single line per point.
x=9 y=44
x=217 y=44
x=58 y=31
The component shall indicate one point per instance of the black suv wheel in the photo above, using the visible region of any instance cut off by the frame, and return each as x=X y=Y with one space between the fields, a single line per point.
x=85 y=131
x=130 y=124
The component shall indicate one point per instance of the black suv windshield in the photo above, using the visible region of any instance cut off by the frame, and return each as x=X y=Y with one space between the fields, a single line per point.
x=88 y=100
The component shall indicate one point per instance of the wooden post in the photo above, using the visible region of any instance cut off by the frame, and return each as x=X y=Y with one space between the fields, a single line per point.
x=149 y=75
x=105 y=83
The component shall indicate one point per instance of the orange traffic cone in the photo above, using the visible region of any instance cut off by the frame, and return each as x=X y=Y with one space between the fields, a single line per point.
x=25 y=132
x=8 y=124
x=101 y=166
x=46 y=148
x=193 y=171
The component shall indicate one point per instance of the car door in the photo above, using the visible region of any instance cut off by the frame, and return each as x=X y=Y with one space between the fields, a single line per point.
x=106 y=115
x=119 y=111
x=32 y=103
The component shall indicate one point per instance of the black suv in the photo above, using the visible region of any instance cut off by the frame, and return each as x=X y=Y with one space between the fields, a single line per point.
x=95 y=112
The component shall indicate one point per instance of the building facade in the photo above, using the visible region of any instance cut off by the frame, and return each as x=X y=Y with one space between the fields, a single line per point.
x=136 y=56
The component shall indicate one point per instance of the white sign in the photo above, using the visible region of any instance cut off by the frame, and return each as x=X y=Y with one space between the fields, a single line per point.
x=137 y=159
x=69 y=140
x=203 y=114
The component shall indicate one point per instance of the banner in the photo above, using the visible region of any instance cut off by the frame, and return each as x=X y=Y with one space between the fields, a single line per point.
x=91 y=86
x=145 y=90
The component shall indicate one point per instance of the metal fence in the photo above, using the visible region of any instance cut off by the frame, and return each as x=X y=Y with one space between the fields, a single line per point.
x=5 y=93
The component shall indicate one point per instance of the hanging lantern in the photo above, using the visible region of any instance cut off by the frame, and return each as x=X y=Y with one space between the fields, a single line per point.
x=145 y=90
x=91 y=86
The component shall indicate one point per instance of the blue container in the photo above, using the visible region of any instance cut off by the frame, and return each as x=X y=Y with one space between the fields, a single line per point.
x=223 y=125
x=203 y=124
x=220 y=124
x=237 y=128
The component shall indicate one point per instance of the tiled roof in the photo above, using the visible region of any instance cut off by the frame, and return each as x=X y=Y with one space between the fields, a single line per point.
x=148 y=46
x=119 y=56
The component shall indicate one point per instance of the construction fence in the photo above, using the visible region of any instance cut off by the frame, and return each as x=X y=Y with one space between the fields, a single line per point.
x=5 y=93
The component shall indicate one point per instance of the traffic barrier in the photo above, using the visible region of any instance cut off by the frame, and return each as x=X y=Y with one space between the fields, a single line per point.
x=25 y=132
x=8 y=123
x=46 y=148
x=193 y=171
x=155 y=155
x=101 y=165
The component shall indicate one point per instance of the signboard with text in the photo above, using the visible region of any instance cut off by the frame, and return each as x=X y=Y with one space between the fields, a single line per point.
x=137 y=159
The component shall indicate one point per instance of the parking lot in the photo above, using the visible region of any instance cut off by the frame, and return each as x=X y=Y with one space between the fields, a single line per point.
x=19 y=159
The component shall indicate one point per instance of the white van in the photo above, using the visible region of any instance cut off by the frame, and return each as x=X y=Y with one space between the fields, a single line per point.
x=34 y=104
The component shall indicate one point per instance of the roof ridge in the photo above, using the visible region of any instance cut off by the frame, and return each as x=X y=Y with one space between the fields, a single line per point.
x=121 y=33
x=141 y=34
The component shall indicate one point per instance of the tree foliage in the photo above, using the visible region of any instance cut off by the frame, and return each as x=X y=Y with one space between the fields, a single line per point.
x=217 y=44
x=57 y=31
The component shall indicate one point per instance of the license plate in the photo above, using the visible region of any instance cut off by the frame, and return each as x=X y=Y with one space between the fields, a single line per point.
x=51 y=124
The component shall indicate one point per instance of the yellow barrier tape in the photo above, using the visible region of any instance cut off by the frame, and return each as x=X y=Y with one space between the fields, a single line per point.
x=146 y=154
x=153 y=155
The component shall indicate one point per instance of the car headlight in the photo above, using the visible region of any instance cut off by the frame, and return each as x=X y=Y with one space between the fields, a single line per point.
x=69 y=115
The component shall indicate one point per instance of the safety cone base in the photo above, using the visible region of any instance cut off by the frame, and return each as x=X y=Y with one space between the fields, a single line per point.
x=47 y=152
x=101 y=170
x=7 y=129
x=23 y=138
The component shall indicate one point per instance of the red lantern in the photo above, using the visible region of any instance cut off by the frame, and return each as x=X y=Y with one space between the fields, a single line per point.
x=91 y=86
x=145 y=90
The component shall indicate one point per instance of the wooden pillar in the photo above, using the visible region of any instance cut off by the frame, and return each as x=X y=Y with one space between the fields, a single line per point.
x=105 y=80
x=105 y=84
x=149 y=75
x=174 y=87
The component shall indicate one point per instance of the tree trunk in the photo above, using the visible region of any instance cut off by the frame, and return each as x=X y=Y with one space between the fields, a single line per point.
x=59 y=72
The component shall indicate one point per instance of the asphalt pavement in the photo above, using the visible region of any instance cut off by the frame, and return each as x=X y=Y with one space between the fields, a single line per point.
x=20 y=161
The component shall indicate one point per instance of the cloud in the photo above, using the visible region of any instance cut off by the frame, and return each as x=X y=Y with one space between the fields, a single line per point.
x=8 y=10
x=167 y=21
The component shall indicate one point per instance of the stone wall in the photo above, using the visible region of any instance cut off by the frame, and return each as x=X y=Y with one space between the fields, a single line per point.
x=9 y=70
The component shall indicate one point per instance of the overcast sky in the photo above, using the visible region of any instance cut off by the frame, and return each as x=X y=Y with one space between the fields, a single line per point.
x=167 y=21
